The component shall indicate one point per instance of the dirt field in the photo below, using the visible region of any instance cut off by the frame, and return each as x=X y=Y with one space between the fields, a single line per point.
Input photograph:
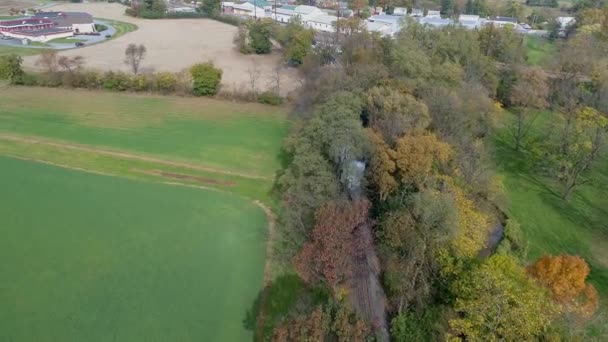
x=6 y=5
x=173 y=45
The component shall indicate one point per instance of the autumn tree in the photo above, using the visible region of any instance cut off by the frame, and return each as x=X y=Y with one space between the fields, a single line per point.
x=328 y=255
x=325 y=323
x=411 y=238
x=394 y=113
x=496 y=301
x=528 y=96
x=382 y=165
x=416 y=155
x=134 y=55
x=587 y=142
x=565 y=276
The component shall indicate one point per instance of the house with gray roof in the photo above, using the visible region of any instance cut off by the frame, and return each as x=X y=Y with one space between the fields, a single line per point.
x=78 y=22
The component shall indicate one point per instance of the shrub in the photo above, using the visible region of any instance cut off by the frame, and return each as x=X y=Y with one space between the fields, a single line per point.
x=271 y=98
x=141 y=83
x=165 y=82
x=10 y=68
x=27 y=80
x=100 y=27
x=117 y=81
x=206 y=79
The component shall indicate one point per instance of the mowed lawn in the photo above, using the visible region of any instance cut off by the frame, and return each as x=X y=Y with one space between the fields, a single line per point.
x=87 y=257
x=243 y=138
x=552 y=225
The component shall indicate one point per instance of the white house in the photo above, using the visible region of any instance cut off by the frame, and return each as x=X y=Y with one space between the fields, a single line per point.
x=470 y=21
x=381 y=28
x=436 y=22
x=433 y=14
x=393 y=22
x=564 y=22
x=501 y=21
x=244 y=9
x=416 y=12
x=282 y=15
x=322 y=22
x=400 y=11
x=305 y=11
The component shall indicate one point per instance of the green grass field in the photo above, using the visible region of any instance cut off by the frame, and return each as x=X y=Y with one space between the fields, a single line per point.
x=121 y=27
x=241 y=138
x=159 y=240
x=551 y=225
x=539 y=50
x=87 y=257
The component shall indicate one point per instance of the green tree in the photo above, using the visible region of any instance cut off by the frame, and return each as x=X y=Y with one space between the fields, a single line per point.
x=206 y=79
x=447 y=7
x=296 y=39
x=260 y=32
x=496 y=301
x=10 y=68
x=211 y=7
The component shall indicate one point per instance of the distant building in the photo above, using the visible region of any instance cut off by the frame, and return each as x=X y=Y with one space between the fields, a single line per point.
x=245 y=9
x=436 y=22
x=38 y=30
x=78 y=22
x=385 y=24
x=402 y=11
x=433 y=14
x=501 y=21
x=417 y=13
x=470 y=21
x=564 y=22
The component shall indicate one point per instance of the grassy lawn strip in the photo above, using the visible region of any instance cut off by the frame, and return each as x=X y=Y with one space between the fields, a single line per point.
x=121 y=27
x=137 y=169
x=66 y=40
x=20 y=51
x=551 y=225
x=539 y=50
x=240 y=138
x=95 y=258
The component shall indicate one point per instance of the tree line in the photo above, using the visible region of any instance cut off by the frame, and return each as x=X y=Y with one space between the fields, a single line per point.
x=392 y=137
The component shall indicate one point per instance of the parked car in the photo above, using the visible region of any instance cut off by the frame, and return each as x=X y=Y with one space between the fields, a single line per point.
x=79 y=44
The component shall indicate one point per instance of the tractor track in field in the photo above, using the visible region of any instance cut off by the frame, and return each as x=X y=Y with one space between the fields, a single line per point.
x=125 y=155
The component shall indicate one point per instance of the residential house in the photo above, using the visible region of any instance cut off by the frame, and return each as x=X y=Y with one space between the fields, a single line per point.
x=322 y=22
x=393 y=22
x=283 y=14
x=501 y=21
x=470 y=21
x=433 y=14
x=436 y=22
x=402 y=11
x=417 y=13
x=564 y=22
x=243 y=9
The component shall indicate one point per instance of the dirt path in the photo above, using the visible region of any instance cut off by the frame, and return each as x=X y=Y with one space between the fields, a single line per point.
x=32 y=140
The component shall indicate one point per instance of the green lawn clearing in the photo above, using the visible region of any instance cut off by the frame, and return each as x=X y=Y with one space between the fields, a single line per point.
x=539 y=50
x=87 y=257
x=121 y=27
x=243 y=139
x=20 y=51
x=551 y=225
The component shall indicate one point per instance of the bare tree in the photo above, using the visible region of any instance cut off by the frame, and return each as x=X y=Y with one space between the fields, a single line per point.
x=48 y=61
x=275 y=82
x=529 y=95
x=134 y=54
x=71 y=64
x=254 y=74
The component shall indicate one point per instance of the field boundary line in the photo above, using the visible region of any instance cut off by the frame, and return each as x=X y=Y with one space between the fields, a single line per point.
x=125 y=155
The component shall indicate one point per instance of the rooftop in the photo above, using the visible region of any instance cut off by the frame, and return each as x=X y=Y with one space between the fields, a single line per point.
x=65 y=19
x=304 y=9
x=24 y=22
x=504 y=19
x=43 y=32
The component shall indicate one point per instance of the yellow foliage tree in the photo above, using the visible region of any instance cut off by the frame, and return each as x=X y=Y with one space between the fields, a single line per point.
x=417 y=154
x=382 y=165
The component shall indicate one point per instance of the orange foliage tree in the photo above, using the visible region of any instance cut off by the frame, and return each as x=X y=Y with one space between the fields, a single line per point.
x=382 y=165
x=565 y=277
x=328 y=255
